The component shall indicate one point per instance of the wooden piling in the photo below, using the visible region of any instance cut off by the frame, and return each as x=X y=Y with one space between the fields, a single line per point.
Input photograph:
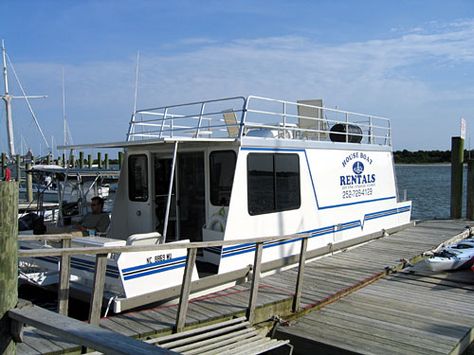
x=457 y=159
x=8 y=261
x=120 y=160
x=18 y=167
x=48 y=159
x=106 y=161
x=470 y=190
x=29 y=183
x=99 y=160
x=72 y=161
x=81 y=160
x=4 y=164
x=89 y=160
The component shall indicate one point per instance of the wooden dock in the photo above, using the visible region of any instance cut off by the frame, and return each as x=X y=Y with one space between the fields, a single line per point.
x=411 y=312
x=325 y=281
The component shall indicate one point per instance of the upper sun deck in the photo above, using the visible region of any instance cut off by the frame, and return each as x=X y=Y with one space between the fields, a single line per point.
x=253 y=116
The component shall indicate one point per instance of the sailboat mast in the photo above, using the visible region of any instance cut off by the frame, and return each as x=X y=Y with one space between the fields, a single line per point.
x=8 y=107
x=64 y=114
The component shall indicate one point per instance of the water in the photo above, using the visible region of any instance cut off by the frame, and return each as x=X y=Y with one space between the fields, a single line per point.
x=429 y=188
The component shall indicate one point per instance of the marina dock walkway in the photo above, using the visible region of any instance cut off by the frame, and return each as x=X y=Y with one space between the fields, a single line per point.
x=411 y=312
x=326 y=280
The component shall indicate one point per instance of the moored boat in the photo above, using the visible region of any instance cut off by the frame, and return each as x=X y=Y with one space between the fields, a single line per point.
x=237 y=169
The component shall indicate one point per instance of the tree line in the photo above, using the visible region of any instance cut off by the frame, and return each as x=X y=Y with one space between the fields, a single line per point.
x=425 y=156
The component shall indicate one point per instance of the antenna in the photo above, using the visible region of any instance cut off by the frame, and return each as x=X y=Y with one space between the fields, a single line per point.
x=136 y=83
x=130 y=128
x=64 y=111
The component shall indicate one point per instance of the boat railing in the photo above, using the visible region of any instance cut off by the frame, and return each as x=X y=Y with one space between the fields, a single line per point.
x=255 y=116
x=65 y=252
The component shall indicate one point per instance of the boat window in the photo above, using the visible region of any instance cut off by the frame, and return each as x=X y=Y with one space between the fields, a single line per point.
x=273 y=183
x=222 y=168
x=138 y=178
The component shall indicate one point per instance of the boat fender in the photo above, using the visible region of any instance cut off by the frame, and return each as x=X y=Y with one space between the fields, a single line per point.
x=217 y=223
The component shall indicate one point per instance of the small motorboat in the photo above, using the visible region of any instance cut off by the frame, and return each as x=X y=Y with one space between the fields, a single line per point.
x=453 y=257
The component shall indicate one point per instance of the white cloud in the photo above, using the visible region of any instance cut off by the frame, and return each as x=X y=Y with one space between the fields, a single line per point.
x=375 y=76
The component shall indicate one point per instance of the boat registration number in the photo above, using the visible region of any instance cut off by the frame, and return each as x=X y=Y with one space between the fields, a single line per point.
x=158 y=258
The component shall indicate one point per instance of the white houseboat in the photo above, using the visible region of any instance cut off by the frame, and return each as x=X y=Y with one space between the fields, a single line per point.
x=240 y=168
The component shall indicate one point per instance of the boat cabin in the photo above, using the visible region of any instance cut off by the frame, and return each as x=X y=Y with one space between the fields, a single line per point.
x=246 y=167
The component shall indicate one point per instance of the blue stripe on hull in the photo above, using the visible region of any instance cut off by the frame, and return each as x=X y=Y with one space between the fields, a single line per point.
x=250 y=247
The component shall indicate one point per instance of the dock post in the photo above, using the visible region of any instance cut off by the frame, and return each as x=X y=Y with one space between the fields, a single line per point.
x=72 y=160
x=18 y=167
x=4 y=164
x=470 y=190
x=48 y=159
x=99 y=160
x=64 y=160
x=81 y=160
x=89 y=160
x=29 y=183
x=457 y=160
x=120 y=160
x=106 y=161
x=9 y=261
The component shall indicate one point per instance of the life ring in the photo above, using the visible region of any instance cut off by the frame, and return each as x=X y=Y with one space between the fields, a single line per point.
x=217 y=223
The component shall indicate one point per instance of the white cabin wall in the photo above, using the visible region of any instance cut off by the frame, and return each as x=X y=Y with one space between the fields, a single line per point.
x=324 y=206
x=132 y=217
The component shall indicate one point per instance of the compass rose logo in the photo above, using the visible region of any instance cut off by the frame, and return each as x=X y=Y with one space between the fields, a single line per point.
x=358 y=167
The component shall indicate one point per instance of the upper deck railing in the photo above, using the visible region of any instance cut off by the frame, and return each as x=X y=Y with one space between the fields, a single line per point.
x=254 y=116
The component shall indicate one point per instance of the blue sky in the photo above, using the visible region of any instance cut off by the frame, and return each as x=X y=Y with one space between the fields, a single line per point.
x=409 y=60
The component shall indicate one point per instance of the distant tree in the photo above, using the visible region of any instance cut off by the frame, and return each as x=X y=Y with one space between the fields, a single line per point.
x=423 y=156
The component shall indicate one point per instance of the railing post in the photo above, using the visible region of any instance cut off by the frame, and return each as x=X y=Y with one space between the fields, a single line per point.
x=255 y=281
x=98 y=290
x=300 y=277
x=163 y=122
x=203 y=105
x=370 y=130
x=347 y=127
x=185 y=290
x=64 y=275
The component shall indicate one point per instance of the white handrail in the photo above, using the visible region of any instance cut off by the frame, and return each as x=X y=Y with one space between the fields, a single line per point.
x=250 y=114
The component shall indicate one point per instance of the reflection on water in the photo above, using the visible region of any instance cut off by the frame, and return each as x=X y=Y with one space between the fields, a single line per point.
x=429 y=187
